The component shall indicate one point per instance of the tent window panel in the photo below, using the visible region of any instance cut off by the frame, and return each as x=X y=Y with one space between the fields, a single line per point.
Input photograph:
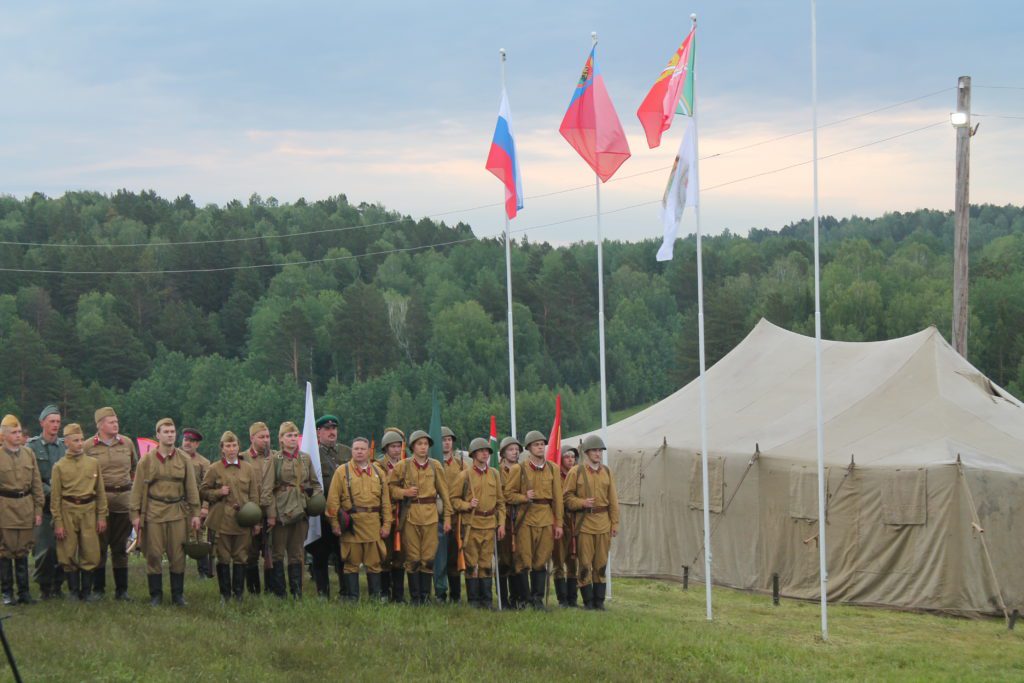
x=716 y=484
x=627 y=467
x=803 y=492
x=905 y=497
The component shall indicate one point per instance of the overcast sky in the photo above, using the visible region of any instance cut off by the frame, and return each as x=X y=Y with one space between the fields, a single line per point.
x=396 y=102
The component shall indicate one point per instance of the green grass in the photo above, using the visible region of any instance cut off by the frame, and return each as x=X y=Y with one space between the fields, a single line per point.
x=651 y=631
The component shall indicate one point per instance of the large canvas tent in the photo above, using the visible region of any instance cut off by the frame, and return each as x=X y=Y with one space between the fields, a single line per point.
x=925 y=476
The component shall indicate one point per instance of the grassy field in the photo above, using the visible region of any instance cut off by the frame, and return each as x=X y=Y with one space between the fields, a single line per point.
x=651 y=631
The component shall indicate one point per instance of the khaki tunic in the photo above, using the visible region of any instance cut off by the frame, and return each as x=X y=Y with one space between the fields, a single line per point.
x=117 y=467
x=534 y=537
x=290 y=477
x=479 y=525
x=394 y=559
x=505 y=545
x=77 y=477
x=594 y=528
x=419 y=532
x=19 y=475
x=562 y=557
x=243 y=483
x=364 y=495
x=165 y=494
x=261 y=465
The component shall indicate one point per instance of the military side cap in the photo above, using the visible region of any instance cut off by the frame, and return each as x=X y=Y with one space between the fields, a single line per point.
x=73 y=428
x=103 y=412
x=287 y=428
x=228 y=437
x=390 y=438
x=48 y=411
x=478 y=444
x=445 y=431
x=10 y=422
x=327 y=421
x=593 y=442
x=508 y=441
x=534 y=436
x=191 y=434
x=420 y=434
x=257 y=427
x=163 y=422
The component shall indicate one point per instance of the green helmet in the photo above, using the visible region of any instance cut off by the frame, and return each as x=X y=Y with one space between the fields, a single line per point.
x=571 y=449
x=420 y=434
x=316 y=504
x=508 y=441
x=445 y=431
x=249 y=515
x=591 y=442
x=197 y=550
x=478 y=444
x=390 y=438
x=534 y=436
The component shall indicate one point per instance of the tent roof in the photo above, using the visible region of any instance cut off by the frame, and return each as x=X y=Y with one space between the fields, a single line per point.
x=906 y=401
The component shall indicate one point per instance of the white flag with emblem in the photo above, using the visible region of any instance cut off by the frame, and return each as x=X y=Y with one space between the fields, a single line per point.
x=681 y=190
x=312 y=447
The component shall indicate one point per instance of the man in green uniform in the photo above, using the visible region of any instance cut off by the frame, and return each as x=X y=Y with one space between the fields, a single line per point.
x=477 y=495
x=21 y=510
x=446 y=566
x=78 y=505
x=418 y=482
x=393 y=567
x=259 y=456
x=292 y=481
x=48 y=448
x=164 y=504
x=190 y=440
x=117 y=459
x=332 y=456
x=590 y=492
x=360 y=489
x=508 y=587
x=537 y=487
x=229 y=484
x=563 y=558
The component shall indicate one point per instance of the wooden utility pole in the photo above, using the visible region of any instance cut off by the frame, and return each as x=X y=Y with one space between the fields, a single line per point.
x=962 y=216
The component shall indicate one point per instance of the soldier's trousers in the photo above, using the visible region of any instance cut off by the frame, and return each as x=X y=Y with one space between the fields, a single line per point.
x=290 y=540
x=256 y=545
x=478 y=550
x=420 y=546
x=393 y=559
x=452 y=567
x=233 y=547
x=164 y=538
x=354 y=554
x=45 y=551
x=80 y=548
x=562 y=559
x=593 y=556
x=506 y=560
x=119 y=530
x=533 y=547
x=16 y=543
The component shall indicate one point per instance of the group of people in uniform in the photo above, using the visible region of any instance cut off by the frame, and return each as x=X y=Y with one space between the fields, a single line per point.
x=401 y=517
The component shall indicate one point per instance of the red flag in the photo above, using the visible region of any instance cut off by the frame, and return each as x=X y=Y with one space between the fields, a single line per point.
x=554 y=453
x=494 y=443
x=672 y=93
x=591 y=125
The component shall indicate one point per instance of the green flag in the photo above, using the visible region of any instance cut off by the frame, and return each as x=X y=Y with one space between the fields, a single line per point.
x=494 y=443
x=436 y=452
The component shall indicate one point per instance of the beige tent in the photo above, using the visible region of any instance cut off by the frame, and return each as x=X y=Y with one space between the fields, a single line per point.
x=925 y=471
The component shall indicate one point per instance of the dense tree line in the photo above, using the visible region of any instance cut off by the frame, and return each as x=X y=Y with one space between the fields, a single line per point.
x=383 y=317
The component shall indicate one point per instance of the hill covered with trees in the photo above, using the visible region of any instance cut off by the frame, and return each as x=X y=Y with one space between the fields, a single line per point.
x=377 y=309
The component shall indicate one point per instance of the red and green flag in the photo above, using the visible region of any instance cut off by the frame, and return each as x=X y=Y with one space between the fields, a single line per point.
x=494 y=443
x=671 y=94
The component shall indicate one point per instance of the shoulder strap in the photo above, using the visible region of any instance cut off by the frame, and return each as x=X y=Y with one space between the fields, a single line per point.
x=278 y=463
x=348 y=483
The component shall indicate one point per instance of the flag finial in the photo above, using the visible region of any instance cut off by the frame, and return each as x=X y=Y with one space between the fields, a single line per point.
x=593 y=36
x=693 y=17
x=501 y=51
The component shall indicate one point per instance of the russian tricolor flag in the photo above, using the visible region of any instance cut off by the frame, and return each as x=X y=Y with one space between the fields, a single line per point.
x=502 y=160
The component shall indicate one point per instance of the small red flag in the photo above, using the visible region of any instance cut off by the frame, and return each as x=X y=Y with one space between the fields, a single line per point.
x=554 y=452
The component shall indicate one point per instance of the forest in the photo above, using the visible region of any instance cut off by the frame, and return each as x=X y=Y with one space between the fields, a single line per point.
x=217 y=315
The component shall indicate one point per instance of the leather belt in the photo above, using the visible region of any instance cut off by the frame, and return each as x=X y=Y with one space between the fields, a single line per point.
x=168 y=501
x=357 y=510
x=425 y=501
x=80 y=500
x=118 y=489
x=14 y=494
x=486 y=513
x=600 y=509
x=542 y=501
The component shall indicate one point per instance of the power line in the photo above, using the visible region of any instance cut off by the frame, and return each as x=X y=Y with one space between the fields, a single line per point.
x=323 y=231
x=463 y=240
x=998 y=116
x=1001 y=87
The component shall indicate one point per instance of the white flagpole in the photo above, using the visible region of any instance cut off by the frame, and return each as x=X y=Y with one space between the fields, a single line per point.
x=508 y=289
x=823 y=569
x=600 y=337
x=700 y=346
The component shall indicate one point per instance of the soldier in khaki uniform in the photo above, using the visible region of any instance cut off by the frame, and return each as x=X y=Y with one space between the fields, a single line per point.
x=48 y=448
x=508 y=587
x=393 y=566
x=590 y=492
x=292 y=480
x=190 y=440
x=21 y=510
x=332 y=456
x=537 y=487
x=563 y=558
x=447 y=580
x=229 y=484
x=418 y=482
x=78 y=504
x=477 y=494
x=360 y=489
x=117 y=458
x=164 y=503
x=259 y=456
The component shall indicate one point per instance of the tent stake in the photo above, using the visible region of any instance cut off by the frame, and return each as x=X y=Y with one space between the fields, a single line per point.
x=686 y=578
x=775 y=589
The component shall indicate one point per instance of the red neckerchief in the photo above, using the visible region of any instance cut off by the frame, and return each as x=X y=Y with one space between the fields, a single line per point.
x=425 y=465
x=236 y=463
x=290 y=456
x=163 y=458
x=448 y=461
x=390 y=465
x=479 y=471
x=536 y=468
